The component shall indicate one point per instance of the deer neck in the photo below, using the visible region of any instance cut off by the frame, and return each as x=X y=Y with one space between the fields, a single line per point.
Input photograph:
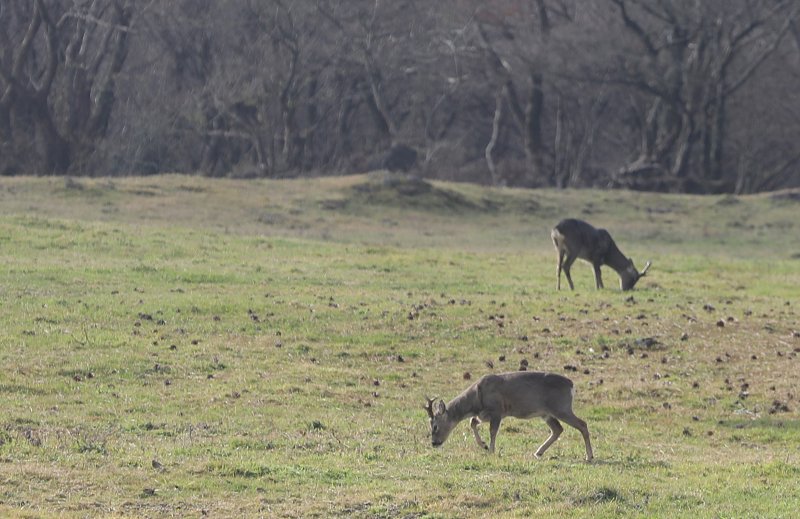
x=623 y=266
x=465 y=405
x=616 y=259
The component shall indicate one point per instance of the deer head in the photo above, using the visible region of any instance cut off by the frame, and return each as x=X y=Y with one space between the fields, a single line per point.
x=630 y=276
x=441 y=425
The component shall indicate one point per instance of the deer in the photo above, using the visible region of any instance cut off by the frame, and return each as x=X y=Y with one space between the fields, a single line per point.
x=575 y=239
x=519 y=394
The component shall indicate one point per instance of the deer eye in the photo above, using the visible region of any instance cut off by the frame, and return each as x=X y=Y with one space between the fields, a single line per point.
x=434 y=428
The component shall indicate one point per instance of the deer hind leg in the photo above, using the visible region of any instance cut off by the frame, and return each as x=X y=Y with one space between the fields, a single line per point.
x=474 y=423
x=558 y=269
x=567 y=264
x=570 y=418
x=555 y=432
x=598 y=277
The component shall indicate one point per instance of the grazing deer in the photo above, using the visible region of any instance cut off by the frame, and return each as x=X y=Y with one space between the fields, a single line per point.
x=521 y=394
x=577 y=239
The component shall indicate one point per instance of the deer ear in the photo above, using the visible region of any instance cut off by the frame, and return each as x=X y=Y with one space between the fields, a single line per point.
x=440 y=408
x=429 y=406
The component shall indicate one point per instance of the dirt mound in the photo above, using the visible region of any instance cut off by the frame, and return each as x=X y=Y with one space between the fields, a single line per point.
x=787 y=195
x=400 y=190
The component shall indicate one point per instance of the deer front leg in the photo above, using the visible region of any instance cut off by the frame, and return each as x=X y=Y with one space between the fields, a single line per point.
x=566 y=266
x=555 y=432
x=474 y=423
x=598 y=277
x=494 y=426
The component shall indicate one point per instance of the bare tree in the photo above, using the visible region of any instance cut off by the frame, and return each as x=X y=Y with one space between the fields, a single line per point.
x=58 y=76
x=514 y=36
x=362 y=28
x=694 y=57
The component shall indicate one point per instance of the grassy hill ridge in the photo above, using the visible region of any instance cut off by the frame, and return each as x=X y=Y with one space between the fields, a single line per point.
x=382 y=208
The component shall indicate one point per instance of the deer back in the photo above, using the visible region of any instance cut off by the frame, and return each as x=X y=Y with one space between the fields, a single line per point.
x=524 y=394
x=578 y=238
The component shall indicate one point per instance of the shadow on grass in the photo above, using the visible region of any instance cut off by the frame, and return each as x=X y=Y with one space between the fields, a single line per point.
x=22 y=390
x=598 y=496
x=772 y=423
x=530 y=468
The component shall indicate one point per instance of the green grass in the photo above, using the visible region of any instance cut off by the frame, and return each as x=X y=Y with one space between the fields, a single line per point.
x=269 y=344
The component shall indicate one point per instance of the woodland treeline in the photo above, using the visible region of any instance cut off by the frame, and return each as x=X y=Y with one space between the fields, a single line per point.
x=671 y=95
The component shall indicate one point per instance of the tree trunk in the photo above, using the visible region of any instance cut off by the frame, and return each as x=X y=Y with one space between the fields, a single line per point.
x=54 y=148
x=105 y=100
x=534 y=147
x=683 y=148
x=488 y=152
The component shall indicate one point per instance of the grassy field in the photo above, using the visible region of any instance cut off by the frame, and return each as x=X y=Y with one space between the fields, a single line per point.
x=185 y=347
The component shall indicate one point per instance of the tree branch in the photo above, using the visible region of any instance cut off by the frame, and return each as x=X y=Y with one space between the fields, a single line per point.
x=635 y=27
